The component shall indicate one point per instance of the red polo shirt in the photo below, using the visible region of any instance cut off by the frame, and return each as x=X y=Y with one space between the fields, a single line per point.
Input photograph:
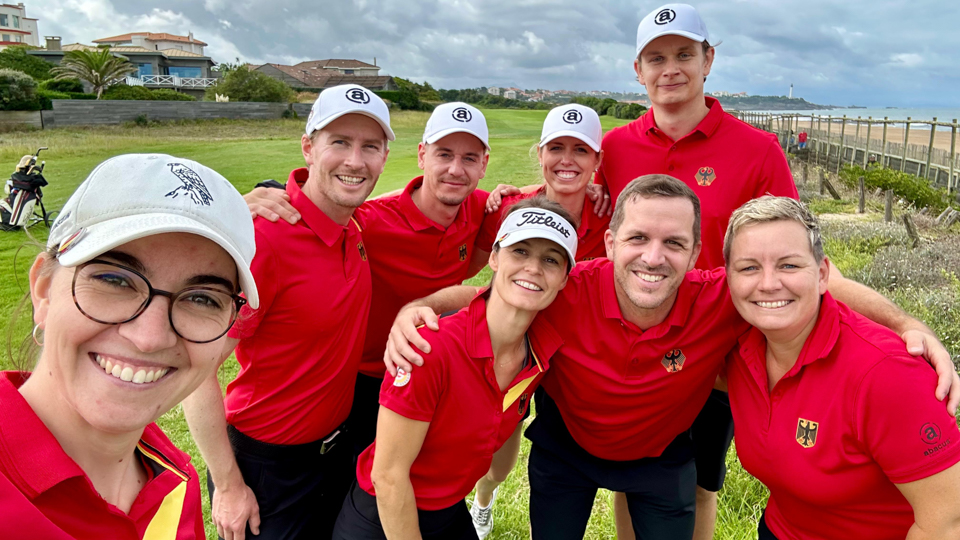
x=45 y=495
x=456 y=391
x=299 y=352
x=411 y=257
x=725 y=161
x=624 y=393
x=589 y=234
x=854 y=416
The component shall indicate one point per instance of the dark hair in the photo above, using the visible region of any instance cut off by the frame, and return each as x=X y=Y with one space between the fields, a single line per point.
x=656 y=185
x=541 y=202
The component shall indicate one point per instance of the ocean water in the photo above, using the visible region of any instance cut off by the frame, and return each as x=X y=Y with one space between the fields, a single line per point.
x=942 y=114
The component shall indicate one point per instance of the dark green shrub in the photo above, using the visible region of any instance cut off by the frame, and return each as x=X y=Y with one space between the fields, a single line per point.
x=917 y=191
x=18 y=91
x=241 y=84
x=389 y=95
x=63 y=85
x=16 y=58
x=168 y=94
x=45 y=97
x=122 y=91
x=142 y=120
x=80 y=95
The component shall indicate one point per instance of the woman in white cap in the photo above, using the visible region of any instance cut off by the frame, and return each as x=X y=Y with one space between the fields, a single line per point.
x=440 y=428
x=569 y=153
x=131 y=302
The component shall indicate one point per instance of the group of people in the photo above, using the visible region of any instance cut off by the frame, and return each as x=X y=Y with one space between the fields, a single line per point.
x=375 y=392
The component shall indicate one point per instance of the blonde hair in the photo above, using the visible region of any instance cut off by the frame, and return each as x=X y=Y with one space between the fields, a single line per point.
x=767 y=209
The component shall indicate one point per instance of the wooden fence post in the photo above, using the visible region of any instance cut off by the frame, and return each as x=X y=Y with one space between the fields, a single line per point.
x=933 y=133
x=888 y=207
x=862 y=207
x=825 y=183
x=866 y=148
x=953 y=154
x=829 y=150
x=883 y=145
x=843 y=126
x=911 y=230
x=906 y=140
x=804 y=172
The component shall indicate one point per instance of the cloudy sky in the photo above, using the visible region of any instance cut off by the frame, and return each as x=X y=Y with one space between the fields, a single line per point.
x=862 y=52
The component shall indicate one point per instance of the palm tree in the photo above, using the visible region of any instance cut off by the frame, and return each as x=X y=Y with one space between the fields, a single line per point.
x=100 y=68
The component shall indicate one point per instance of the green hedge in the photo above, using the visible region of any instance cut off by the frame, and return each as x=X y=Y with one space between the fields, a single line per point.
x=389 y=95
x=124 y=92
x=918 y=191
x=18 y=91
x=167 y=94
x=63 y=85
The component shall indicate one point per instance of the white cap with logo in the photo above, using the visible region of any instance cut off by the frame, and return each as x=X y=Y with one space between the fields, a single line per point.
x=530 y=223
x=573 y=120
x=456 y=117
x=138 y=195
x=671 y=20
x=348 y=99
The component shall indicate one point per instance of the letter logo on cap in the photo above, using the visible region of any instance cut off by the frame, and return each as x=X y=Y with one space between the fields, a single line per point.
x=572 y=117
x=665 y=16
x=358 y=95
x=462 y=114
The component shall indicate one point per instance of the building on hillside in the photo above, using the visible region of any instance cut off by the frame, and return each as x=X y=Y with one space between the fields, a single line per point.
x=155 y=41
x=16 y=28
x=320 y=74
x=179 y=69
x=493 y=90
x=510 y=94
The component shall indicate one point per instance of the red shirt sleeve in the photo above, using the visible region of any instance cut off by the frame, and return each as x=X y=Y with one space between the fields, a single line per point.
x=489 y=228
x=265 y=270
x=901 y=424
x=416 y=395
x=775 y=176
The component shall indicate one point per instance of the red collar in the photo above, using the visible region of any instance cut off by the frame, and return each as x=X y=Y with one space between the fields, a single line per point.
x=325 y=228
x=708 y=126
x=34 y=459
x=678 y=315
x=415 y=217
x=819 y=344
x=544 y=339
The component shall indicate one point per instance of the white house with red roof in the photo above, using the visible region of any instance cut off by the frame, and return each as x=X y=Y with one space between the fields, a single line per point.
x=16 y=28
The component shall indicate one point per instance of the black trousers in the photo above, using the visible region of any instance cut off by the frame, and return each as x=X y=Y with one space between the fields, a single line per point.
x=564 y=478
x=363 y=414
x=712 y=434
x=360 y=520
x=299 y=488
x=763 y=531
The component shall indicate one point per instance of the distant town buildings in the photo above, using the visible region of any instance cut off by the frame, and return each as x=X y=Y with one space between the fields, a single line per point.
x=510 y=94
x=320 y=74
x=16 y=28
x=722 y=93
x=493 y=90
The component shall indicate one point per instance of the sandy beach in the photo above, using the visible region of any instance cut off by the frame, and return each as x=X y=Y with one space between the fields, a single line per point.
x=919 y=133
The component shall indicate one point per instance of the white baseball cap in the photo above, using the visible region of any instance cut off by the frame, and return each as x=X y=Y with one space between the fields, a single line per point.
x=138 y=195
x=671 y=20
x=337 y=101
x=528 y=223
x=456 y=117
x=573 y=120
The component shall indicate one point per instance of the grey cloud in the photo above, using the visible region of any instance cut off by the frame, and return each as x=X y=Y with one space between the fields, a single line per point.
x=860 y=51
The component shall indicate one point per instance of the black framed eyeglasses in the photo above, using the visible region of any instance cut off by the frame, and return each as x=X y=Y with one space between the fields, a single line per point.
x=111 y=293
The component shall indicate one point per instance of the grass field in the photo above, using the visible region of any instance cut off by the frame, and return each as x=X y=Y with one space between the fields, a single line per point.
x=247 y=152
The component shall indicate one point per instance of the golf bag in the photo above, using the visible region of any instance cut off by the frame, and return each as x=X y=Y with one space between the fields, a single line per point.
x=23 y=193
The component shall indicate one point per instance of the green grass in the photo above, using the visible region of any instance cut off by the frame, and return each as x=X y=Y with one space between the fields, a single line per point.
x=246 y=152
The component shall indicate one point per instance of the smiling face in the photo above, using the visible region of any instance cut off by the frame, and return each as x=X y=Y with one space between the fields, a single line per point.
x=652 y=249
x=673 y=68
x=452 y=167
x=529 y=274
x=345 y=159
x=775 y=280
x=568 y=164
x=76 y=350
